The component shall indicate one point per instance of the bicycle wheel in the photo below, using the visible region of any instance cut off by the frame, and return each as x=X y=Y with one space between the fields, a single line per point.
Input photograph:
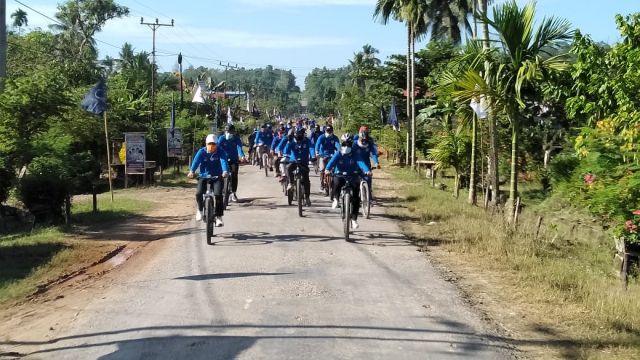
x=289 y=195
x=300 y=194
x=327 y=184
x=227 y=191
x=365 y=198
x=346 y=220
x=316 y=167
x=210 y=216
x=265 y=164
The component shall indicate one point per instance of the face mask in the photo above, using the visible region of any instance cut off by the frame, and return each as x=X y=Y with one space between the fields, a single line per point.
x=211 y=148
x=228 y=136
x=345 y=150
x=327 y=134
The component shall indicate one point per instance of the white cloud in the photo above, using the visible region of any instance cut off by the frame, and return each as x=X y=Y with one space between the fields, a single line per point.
x=292 y=3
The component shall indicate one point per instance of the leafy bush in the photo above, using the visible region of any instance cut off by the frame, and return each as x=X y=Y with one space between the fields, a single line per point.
x=44 y=189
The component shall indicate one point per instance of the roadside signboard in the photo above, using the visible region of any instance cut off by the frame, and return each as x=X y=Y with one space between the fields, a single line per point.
x=135 y=153
x=174 y=143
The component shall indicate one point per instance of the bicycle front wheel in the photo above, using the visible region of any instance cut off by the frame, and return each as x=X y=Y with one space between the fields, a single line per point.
x=365 y=197
x=227 y=191
x=300 y=195
x=346 y=219
x=265 y=163
x=210 y=216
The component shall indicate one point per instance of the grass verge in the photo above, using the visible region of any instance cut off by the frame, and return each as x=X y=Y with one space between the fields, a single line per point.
x=30 y=260
x=557 y=293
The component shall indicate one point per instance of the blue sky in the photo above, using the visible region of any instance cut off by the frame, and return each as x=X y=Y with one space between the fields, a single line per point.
x=289 y=34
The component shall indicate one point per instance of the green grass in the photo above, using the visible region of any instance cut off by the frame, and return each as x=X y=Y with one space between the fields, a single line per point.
x=29 y=260
x=564 y=278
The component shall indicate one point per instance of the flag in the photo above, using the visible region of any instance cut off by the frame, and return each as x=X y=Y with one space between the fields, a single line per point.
x=383 y=115
x=197 y=97
x=480 y=107
x=229 y=115
x=393 y=117
x=173 y=116
x=96 y=99
x=254 y=112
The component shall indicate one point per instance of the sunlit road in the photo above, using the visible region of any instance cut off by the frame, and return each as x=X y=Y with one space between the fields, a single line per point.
x=274 y=286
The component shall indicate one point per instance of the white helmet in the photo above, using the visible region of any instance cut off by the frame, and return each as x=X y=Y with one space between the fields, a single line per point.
x=211 y=139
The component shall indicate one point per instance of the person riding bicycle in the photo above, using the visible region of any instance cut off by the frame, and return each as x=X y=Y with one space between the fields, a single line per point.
x=263 y=141
x=346 y=161
x=210 y=160
x=315 y=134
x=277 y=138
x=299 y=151
x=365 y=147
x=252 y=141
x=284 y=160
x=231 y=144
x=326 y=145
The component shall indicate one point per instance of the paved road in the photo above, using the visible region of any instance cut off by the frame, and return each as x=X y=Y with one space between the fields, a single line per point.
x=274 y=286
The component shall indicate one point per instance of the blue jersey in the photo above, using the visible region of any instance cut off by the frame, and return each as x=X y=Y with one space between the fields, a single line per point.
x=213 y=164
x=314 y=137
x=327 y=146
x=276 y=142
x=350 y=163
x=232 y=147
x=366 y=152
x=264 y=138
x=300 y=150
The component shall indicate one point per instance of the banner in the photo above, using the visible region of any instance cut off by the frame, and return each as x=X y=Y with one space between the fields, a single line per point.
x=174 y=142
x=135 y=147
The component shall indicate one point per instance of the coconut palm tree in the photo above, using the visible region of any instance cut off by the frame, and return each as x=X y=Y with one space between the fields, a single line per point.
x=450 y=18
x=19 y=19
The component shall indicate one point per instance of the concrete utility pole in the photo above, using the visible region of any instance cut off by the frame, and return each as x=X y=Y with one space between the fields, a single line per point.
x=154 y=27
x=227 y=67
x=3 y=42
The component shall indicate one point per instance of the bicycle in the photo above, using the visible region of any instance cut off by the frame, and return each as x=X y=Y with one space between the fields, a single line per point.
x=226 y=190
x=209 y=212
x=265 y=160
x=325 y=179
x=346 y=194
x=297 y=192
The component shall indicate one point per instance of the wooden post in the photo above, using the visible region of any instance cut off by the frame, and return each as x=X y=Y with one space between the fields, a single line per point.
x=95 y=199
x=106 y=134
x=516 y=212
x=67 y=209
x=538 y=225
x=160 y=174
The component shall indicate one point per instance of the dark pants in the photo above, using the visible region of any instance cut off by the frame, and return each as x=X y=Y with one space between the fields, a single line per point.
x=338 y=183
x=305 y=176
x=234 y=167
x=217 y=192
x=277 y=164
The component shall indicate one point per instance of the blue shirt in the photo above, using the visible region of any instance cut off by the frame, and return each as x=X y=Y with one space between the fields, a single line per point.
x=300 y=150
x=276 y=142
x=314 y=137
x=210 y=164
x=264 y=138
x=327 y=146
x=232 y=147
x=366 y=152
x=351 y=164
x=282 y=145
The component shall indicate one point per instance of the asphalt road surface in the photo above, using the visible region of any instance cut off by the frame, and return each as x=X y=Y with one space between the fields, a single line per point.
x=274 y=286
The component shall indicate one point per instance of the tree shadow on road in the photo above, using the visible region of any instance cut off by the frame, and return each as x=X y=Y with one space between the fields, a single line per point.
x=226 y=276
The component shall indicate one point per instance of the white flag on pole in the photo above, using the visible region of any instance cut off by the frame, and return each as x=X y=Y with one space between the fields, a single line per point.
x=197 y=97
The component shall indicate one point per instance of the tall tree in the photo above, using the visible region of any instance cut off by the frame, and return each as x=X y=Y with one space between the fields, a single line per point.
x=19 y=18
x=450 y=18
x=529 y=60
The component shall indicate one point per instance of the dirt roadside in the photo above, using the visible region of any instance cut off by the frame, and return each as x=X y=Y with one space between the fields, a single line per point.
x=62 y=298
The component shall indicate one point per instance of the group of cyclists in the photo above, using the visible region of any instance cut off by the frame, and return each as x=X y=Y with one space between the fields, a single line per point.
x=291 y=146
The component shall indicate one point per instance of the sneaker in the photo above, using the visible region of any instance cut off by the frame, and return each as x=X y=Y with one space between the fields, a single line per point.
x=198 y=215
x=308 y=201
x=234 y=197
x=334 y=204
x=289 y=187
x=354 y=224
x=271 y=168
x=219 y=222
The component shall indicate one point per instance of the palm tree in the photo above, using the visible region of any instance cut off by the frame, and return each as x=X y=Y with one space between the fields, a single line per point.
x=19 y=18
x=369 y=56
x=450 y=18
x=414 y=14
x=530 y=59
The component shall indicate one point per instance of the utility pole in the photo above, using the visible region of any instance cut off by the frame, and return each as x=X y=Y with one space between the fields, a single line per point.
x=154 y=27
x=181 y=88
x=3 y=42
x=226 y=67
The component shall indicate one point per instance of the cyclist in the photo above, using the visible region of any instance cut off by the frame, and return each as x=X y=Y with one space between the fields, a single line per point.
x=210 y=160
x=315 y=134
x=300 y=149
x=365 y=147
x=230 y=143
x=326 y=145
x=280 y=150
x=277 y=138
x=252 y=141
x=346 y=161
x=263 y=141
